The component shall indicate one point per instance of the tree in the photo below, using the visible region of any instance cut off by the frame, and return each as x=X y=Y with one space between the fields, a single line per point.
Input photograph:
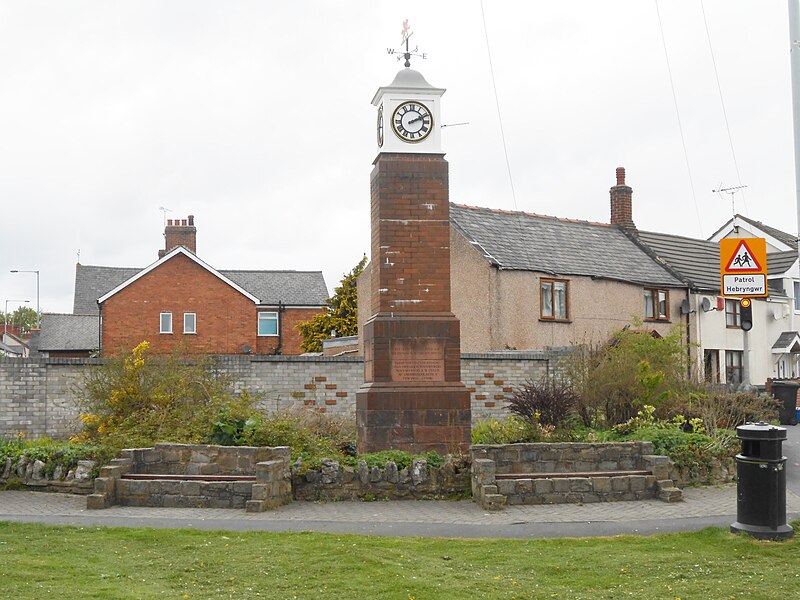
x=23 y=318
x=340 y=314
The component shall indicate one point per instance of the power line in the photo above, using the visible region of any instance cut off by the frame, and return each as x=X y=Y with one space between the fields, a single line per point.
x=497 y=104
x=722 y=102
x=678 y=115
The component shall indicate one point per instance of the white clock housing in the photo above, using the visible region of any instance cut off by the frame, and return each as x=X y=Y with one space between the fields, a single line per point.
x=410 y=86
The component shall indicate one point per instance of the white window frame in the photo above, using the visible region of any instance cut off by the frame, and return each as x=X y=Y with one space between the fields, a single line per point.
x=273 y=317
x=193 y=329
x=733 y=313
x=796 y=287
x=161 y=328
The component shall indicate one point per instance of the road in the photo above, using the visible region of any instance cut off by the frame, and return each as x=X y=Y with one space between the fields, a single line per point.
x=791 y=450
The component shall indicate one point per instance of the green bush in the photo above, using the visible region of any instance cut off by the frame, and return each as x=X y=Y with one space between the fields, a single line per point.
x=137 y=400
x=722 y=412
x=52 y=453
x=635 y=368
x=401 y=458
x=500 y=431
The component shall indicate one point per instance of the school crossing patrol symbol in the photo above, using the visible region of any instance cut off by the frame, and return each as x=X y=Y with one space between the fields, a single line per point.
x=743 y=267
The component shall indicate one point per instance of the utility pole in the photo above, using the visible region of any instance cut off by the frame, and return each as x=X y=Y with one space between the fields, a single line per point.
x=794 y=53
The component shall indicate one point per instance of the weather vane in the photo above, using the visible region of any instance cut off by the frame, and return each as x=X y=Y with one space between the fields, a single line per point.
x=407 y=53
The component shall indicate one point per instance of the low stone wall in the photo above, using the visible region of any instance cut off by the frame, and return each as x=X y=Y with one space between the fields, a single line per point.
x=199 y=459
x=419 y=481
x=721 y=470
x=261 y=477
x=539 y=473
x=31 y=474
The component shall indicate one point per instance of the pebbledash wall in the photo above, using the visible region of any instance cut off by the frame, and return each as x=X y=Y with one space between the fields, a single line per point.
x=37 y=395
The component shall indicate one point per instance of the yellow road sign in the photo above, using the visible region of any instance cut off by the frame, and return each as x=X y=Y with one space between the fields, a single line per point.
x=743 y=267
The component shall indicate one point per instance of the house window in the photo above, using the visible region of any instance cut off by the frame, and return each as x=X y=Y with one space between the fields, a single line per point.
x=268 y=323
x=797 y=295
x=733 y=366
x=733 y=315
x=189 y=323
x=166 y=323
x=554 y=299
x=656 y=304
x=711 y=365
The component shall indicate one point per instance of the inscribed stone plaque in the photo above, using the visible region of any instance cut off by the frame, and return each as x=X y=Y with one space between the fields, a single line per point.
x=418 y=360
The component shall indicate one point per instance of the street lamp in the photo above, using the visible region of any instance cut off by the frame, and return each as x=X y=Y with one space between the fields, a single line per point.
x=38 y=314
x=5 y=314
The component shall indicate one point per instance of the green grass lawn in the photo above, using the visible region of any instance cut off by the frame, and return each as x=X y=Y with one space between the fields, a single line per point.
x=39 y=561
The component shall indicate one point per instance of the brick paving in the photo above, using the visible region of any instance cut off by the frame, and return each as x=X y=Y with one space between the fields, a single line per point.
x=700 y=507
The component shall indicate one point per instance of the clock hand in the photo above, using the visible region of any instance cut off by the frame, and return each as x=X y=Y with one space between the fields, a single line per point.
x=419 y=118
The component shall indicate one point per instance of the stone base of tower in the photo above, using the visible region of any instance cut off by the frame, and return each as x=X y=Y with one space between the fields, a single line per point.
x=413 y=398
x=413 y=418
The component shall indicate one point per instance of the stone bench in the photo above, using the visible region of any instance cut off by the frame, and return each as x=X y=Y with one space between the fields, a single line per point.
x=199 y=476
x=569 y=473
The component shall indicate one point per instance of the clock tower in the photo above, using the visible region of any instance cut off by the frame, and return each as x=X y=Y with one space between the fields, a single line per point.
x=408 y=115
x=412 y=397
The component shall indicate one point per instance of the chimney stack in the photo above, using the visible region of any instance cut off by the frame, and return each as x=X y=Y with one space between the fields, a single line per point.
x=622 y=203
x=179 y=232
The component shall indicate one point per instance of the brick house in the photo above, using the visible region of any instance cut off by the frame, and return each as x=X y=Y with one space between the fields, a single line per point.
x=181 y=303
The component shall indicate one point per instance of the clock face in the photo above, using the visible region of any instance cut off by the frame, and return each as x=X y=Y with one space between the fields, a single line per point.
x=380 y=126
x=412 y=121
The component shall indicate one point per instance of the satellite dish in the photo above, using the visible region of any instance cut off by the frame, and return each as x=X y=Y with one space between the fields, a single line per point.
x=247 y=349
x=685 y=307
x=706 y=304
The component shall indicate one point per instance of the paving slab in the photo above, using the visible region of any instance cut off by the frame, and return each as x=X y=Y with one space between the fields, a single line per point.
x=701 y=507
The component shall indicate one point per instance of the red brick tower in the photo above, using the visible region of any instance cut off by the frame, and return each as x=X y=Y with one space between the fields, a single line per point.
x=412 y=397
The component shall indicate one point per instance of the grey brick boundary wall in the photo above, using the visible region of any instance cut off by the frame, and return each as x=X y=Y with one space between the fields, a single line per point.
x=37 y=394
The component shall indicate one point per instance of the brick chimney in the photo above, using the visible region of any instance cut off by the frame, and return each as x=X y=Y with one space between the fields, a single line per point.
x=179 y=232
x=622 y=203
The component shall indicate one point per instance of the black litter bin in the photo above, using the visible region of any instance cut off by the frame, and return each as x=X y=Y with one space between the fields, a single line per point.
x=761 y=483
x=786 y=392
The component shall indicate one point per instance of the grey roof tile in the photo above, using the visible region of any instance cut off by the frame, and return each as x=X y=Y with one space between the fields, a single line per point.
x=697 y=261
x=788 y=340
x=297 y=288
x=68 y=332
x=91 y=282
x=780 y=262
x=524 y=241
x=786 y=238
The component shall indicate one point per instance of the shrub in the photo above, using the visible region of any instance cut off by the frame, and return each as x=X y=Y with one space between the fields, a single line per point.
x=547 y=401
x=724 y=412
x=510 y=431
x=401 y=458
x=136 y=400
x=52 y=453
x=614 y=381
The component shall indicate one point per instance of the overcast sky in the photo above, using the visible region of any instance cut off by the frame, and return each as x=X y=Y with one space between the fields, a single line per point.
x=255 y=117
